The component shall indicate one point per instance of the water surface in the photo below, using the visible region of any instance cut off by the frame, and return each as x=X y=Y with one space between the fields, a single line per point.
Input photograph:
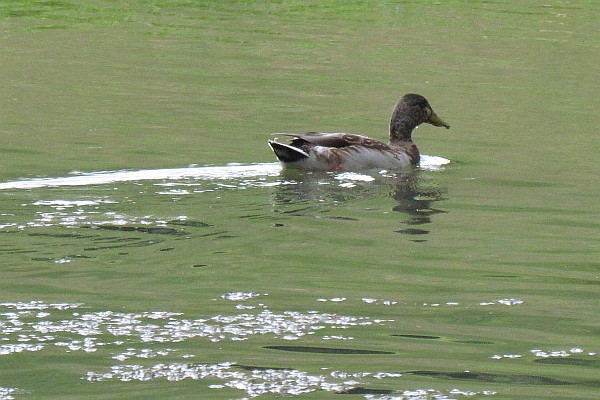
x=152 y=248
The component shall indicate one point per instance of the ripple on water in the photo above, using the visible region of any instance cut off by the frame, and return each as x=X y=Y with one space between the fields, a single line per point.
x=328 y=350
x=106 y=211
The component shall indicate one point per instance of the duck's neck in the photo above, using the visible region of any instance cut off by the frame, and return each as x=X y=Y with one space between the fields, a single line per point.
x=401 y=129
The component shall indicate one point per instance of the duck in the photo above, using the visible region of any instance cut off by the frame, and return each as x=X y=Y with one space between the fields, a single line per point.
x=318 y=151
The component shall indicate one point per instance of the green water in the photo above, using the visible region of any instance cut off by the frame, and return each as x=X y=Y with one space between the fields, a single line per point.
x=473 y=279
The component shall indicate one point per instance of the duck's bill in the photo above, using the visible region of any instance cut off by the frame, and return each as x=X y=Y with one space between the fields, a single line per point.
x=437 y=121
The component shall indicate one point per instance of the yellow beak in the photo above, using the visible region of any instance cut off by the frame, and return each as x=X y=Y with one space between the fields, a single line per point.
x=437 y=121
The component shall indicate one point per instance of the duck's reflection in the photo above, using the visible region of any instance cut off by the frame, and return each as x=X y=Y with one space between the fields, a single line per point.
x=414 y=192
x=415 y=196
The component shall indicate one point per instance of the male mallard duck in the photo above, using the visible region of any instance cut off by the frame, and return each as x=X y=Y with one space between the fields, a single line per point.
x=342 y=151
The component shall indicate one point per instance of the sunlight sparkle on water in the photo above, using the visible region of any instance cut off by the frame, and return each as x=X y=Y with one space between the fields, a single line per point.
x=547 y=354
x=259 y=382
x=26 y=329
x=239 y=296
x=7 y=393
x=36 y=325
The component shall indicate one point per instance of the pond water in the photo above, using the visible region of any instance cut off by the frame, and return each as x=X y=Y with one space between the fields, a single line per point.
x=152 y=248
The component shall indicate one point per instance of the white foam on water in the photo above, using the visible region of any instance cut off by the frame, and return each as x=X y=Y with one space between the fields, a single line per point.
x=433 y=163
x=224 y=172
x=229 y=171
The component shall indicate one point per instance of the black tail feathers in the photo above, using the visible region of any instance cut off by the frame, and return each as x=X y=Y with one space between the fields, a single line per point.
x=286 y=153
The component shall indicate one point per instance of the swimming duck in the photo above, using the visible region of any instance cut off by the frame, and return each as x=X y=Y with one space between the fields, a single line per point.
x=316 y=151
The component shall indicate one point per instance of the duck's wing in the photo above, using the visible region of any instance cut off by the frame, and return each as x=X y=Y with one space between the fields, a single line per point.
x=333 y=140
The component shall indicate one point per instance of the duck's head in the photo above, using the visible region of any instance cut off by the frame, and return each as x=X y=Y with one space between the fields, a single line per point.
x=411 y=111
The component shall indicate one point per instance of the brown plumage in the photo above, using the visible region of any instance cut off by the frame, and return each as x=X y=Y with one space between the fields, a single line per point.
x=343 y=151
